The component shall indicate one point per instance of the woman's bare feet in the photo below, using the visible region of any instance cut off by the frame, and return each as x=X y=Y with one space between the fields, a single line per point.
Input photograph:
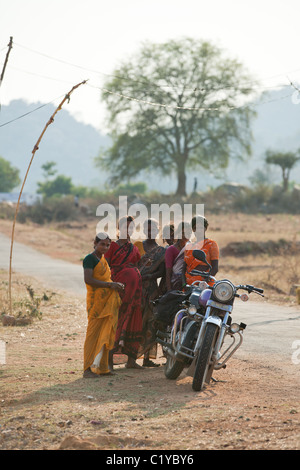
x=111 y=361
x=88 y=374
x=131 y=364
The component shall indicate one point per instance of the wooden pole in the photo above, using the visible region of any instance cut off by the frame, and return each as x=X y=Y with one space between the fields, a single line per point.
x=6 y=59
x=66 y=98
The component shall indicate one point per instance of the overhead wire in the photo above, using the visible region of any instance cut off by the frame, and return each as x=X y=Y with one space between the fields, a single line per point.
x=30 y=112
x=145 y=81
x=125 y=96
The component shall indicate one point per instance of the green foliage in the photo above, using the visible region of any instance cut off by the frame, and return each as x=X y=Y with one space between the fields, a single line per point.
x=131 y=189
x=60 y=185
x=286 y=161
x=195 y=88
x=49 y=169
x=261 y=178
x=267 y=200
x=9 y=176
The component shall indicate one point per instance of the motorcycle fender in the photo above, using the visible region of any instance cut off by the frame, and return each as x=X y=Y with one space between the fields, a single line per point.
x=215 y=320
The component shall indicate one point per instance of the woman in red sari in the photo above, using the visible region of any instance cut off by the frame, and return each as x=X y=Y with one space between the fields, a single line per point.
x=122 y=258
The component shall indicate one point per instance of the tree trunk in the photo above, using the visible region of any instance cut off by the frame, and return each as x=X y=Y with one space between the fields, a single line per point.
x=285 y=180
x=181 y=181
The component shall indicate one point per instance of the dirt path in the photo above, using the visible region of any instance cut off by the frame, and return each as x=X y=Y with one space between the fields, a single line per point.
x=46 y=404
x=54 y=273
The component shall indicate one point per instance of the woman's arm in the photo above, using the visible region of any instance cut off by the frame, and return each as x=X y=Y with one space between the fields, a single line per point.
x=91 y=281
x=168 y=278
x=214 y=267
x=183 y=271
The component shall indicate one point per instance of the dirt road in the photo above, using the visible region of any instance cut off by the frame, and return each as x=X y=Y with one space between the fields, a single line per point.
x=272 y=329
x=254 y=403
x=54 y=273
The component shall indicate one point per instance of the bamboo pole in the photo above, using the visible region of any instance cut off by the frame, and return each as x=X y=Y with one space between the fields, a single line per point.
x=66 y=98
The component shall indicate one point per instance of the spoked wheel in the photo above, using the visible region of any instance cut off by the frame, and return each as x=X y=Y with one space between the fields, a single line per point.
x=175 y=366
x=204 y=364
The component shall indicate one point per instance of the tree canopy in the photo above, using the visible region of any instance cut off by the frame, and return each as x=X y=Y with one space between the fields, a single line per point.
x=173 y=107
x=9 y=176
x=59 y=185
x=286 y=161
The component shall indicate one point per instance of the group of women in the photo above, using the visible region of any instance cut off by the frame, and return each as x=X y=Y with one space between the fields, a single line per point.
x=123 y=278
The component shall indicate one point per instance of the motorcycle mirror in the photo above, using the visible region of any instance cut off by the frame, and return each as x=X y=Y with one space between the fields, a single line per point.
x=201 y=256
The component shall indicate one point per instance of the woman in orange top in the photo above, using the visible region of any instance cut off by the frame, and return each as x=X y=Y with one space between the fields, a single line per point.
x=210 y=247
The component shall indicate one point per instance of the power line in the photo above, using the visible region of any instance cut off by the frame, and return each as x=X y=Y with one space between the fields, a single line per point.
x=203 y=108
x=30 y=112
x=145 y=81
x=149 y=103
x=125 y=96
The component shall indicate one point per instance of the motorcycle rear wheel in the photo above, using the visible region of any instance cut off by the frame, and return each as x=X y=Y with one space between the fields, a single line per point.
x=173 y=366
x=204 y=364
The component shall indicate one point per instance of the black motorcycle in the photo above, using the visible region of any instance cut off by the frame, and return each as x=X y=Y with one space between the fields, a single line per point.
x=196 y=335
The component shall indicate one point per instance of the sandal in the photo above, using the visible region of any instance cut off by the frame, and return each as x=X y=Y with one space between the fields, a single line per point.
x=131 y=364
x=149 y=363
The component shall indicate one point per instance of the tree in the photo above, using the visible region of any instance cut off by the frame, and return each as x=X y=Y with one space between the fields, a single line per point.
x=59 y=185
x=49 y=169
x=171 y=109
x=286 y=161
x=9 y=176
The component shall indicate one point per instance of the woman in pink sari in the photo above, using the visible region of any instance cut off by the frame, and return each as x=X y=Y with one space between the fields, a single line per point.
x=174 y=258
x=122 y=258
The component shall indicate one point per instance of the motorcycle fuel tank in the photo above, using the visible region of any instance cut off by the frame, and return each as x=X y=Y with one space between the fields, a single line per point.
x=204 y=297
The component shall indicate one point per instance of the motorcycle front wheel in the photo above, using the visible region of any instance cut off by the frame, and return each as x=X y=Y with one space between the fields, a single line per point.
x=173 y=366
x=204 y=363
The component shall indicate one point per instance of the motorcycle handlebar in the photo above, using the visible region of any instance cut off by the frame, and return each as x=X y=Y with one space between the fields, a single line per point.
x=252 y=289
x=256 y=289
x=195 y=272
x=247 y=287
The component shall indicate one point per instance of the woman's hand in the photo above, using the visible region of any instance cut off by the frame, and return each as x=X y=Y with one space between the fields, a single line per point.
x=118 y=286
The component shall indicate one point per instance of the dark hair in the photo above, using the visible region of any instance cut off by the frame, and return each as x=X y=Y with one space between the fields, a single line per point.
x=199 y=219
x=183 y=230
x=101 y=236
x=126 y=218
x=150 y=221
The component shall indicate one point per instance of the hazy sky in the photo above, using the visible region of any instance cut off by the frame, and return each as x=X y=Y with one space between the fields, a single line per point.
x=97 y=35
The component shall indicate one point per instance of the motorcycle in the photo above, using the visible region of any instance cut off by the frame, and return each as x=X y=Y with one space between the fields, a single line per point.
x=200 y=327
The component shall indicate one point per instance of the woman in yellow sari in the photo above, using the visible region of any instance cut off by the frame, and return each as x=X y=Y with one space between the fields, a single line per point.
x=103 y=302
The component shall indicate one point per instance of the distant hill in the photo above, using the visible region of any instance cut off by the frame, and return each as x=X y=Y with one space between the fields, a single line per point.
x=73 y=145
x=276 y=127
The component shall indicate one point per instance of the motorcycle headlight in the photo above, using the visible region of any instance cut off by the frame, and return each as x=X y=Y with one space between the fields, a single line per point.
x=223 y=291
x=192 y=310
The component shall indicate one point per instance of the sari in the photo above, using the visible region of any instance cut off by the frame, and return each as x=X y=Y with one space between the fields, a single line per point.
x=129 y=330
x=150 y=263
x=176 y=278
x=102 y=308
